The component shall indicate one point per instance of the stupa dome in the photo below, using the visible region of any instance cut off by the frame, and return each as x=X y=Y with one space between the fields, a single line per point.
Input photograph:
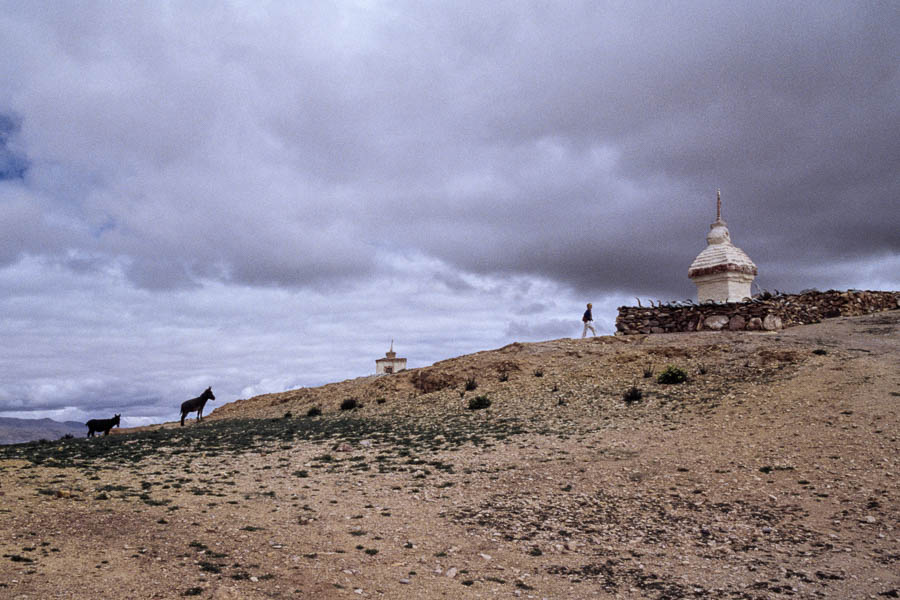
x=718 y=233
x=720 y=256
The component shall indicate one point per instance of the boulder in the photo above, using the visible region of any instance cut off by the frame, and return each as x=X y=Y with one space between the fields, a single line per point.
x=716 y=322
x=736 y=323
x=772 y=322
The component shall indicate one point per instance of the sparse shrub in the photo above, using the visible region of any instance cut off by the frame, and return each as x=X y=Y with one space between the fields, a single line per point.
x=68 y=436
x=524 y=586
x=471 y=384
x=301 y=473
x=380 y=401
x=479 y=402
x=535 y=551
x=210 y=567
x=672 y=375
x=504 y=376
x=288 y=415
x=19 y=558
x=315 y=411
x=648 y=371
x=194 y=591
x=820 y=351
x=632 y=395
x=350 y=404
x=702 y=369
x=538 y=372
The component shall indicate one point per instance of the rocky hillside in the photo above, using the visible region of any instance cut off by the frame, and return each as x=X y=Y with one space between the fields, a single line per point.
x=531 y=379
x=761 y=465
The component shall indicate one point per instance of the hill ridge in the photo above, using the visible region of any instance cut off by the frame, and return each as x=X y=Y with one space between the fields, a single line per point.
x=613 y=363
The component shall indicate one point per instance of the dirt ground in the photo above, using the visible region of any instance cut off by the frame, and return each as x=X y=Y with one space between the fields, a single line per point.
x=771 y=472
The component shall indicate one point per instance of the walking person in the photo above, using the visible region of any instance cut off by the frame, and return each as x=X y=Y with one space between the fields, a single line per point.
x=588 y=320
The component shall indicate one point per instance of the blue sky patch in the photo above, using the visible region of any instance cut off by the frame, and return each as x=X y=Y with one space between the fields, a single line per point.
x=13 y=165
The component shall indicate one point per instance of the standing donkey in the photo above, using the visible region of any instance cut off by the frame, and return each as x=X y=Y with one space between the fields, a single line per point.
x=103 y=425
x=196 y=405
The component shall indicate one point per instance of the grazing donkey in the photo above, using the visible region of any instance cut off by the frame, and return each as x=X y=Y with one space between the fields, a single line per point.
x=196 y=404
x=103 y=425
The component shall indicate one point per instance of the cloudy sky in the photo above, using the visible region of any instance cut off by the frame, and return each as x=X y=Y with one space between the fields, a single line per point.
x=259 y=196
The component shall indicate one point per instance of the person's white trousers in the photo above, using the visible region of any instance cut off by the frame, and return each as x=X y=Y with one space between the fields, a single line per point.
x=588 y=325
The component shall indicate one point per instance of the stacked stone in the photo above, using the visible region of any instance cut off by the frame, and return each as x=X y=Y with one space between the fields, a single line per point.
x=769 y=315
x=715 y=317
x=812 y=307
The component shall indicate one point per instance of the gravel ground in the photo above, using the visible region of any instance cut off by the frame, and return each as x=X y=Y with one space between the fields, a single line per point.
x=771 y=472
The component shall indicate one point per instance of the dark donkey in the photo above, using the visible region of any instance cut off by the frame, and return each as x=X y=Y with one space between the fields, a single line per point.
x=196 y=404
x=103 y=425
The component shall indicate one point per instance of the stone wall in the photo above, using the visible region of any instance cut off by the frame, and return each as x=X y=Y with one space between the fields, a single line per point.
x=769 y=313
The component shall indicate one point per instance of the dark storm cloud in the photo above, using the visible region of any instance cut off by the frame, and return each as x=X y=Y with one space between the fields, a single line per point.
x=793 y=110
x=582 y=143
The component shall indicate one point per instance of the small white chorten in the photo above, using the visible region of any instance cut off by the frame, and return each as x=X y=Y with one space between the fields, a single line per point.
x=722 y=272
x=390 y=363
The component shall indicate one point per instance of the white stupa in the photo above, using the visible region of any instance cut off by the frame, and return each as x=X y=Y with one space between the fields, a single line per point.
x=722 y=272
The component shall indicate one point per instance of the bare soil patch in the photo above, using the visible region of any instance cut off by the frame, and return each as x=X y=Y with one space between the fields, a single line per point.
x=771 y=472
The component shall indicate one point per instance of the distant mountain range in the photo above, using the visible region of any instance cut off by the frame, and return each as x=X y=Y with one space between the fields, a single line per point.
x=16 y=431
